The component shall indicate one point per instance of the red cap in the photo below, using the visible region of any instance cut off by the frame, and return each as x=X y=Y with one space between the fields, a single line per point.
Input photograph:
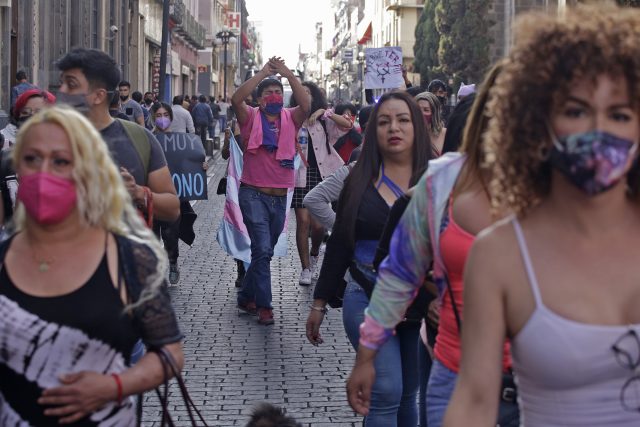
x=27 y=95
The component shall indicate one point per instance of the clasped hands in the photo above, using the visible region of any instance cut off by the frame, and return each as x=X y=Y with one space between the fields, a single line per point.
x=276 y=65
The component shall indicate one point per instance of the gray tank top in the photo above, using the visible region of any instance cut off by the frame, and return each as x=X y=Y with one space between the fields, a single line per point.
x=568 y=373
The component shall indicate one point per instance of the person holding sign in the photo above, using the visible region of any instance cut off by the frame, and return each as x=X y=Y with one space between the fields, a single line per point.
x=269 y=142
x=185 y=159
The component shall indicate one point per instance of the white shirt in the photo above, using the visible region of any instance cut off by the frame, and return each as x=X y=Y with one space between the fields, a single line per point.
x=223 y=108
x=182 y=120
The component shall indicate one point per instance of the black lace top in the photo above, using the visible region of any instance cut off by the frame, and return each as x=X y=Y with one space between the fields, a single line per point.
x=87 y=329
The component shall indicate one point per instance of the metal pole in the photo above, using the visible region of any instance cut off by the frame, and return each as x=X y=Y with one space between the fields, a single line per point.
x=163 y=49
x=225 y=41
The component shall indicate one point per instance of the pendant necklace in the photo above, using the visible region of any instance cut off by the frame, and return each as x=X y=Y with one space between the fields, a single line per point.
x=44 y=264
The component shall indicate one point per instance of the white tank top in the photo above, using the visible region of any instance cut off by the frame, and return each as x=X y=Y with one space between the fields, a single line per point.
x=568 y=373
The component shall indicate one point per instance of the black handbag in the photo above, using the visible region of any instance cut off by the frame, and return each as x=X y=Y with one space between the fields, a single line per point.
x=222 y=186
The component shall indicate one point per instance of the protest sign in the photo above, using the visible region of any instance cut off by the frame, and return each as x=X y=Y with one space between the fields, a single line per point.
x=185 y=157
x=384 y=68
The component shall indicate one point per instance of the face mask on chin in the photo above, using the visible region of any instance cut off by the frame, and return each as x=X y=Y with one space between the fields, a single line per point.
x=593 y=161
x=76 y=101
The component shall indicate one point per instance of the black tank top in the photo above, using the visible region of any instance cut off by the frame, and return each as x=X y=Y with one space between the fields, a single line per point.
x=44 y=337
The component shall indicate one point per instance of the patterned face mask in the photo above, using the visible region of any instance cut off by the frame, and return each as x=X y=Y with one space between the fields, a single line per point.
x=593 y=161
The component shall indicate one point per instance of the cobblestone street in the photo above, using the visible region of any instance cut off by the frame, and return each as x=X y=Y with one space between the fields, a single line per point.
x=231 y=362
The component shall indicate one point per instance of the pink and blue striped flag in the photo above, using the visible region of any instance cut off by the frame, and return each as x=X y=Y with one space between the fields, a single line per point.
x=232 y=234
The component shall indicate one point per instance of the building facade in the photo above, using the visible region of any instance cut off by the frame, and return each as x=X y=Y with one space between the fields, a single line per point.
x=35 y=33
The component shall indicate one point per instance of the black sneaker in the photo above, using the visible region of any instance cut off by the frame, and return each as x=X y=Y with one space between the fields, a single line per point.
x=174 y=273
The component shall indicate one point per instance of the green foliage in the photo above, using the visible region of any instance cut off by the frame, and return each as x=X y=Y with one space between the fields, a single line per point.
x=427 y=43
x=452 y=39
x=465 y=41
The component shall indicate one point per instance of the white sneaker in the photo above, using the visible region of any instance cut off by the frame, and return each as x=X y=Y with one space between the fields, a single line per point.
x=305 y=277
x=314 y=261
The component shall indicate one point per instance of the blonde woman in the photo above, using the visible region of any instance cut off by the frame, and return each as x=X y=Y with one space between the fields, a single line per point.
x=81 y=280
x=432 y=114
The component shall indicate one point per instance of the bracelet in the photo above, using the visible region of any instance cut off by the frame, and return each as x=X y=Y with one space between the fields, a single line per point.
x=323 y=310
x=116 y=377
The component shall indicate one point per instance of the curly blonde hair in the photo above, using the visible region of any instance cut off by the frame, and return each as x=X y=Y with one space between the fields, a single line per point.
x=550 y=54
x=102 y=199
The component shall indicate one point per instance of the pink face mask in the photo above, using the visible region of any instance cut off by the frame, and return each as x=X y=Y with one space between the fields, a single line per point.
x=427 y=118
x=47 y=198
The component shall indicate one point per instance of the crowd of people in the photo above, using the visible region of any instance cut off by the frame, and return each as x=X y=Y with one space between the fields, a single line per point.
x=481 y=253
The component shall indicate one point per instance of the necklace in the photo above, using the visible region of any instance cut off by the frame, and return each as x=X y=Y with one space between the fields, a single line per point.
x=44 y=264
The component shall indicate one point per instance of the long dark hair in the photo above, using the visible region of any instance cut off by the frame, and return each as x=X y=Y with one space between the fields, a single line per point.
x=318 y=100
x=368 y=165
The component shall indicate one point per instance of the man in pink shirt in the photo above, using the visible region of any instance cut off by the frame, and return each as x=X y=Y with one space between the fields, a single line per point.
x=269 y=144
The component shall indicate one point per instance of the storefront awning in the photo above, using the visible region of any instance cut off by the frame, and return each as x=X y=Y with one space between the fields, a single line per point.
x=365 y=36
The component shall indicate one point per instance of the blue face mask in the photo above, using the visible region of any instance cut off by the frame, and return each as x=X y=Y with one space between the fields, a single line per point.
x=593 y=161
x=274 y=104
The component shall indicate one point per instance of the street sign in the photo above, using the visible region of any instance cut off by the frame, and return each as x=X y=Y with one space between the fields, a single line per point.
x=233 y=21
x=347 y=55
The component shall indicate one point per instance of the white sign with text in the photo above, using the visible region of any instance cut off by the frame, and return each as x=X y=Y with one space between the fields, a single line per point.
x=384 y=68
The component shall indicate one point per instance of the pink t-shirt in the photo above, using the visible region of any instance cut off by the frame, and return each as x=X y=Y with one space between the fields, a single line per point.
x=260 y=167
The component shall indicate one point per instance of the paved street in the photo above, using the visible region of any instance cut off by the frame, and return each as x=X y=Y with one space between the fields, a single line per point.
x=232 y=362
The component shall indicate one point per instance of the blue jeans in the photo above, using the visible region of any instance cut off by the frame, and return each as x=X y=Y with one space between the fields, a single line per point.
x=394 y=392
x=138 y=351
x=442 y=381
x=223 y=123
x=424 y=369
x=264 y=217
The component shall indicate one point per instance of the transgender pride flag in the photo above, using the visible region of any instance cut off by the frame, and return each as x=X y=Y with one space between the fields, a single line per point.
x=232 y=234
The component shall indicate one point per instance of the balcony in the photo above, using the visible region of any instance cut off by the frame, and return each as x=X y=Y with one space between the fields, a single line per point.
x=187 y=26
x=399 y=4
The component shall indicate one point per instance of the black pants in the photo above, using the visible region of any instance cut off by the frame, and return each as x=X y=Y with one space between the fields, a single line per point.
x=168 y=232
x=201 y=130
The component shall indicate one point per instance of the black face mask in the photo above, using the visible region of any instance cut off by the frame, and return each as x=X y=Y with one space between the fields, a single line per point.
x=21 y=121
x=123 y=97
x=442 y=99
x=148 y=101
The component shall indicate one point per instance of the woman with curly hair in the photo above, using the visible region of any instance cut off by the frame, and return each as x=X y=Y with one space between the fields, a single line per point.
x=559 y=278
x=432 y=113
x=81 y=280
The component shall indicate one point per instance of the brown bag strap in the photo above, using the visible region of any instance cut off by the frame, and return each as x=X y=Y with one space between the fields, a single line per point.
x=169 y=367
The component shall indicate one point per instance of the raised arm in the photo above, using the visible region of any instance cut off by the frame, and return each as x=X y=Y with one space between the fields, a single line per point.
x=237 y=100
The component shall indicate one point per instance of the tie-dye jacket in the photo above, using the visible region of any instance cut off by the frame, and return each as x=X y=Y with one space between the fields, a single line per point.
x=414 y=245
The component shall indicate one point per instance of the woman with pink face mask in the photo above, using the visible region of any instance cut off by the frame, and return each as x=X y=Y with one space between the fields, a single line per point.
x=82 y=279
x=432 y=113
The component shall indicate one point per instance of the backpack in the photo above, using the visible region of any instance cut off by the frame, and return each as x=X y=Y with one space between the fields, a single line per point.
x=138 y=138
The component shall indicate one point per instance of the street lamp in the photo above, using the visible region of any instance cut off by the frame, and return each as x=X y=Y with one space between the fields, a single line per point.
x=361 y=61
x=224 y=36
x=338 y=69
